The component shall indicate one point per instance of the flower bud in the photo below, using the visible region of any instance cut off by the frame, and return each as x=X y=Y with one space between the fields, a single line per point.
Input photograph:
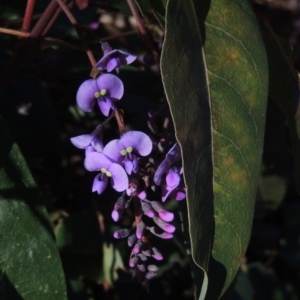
x=164 y=225
x=121 y=233
x=164 y=214
x=156 y=254
x=143 y=256
x=137 y=247
x=147 y=209
x=133 y=261
x=152 y=268
x=163 y=235
x=118 y=209
x=147 y=252
x=131 y=240
x=141 y=267
x=150 y=275
x=140 y=229
x=142 y=195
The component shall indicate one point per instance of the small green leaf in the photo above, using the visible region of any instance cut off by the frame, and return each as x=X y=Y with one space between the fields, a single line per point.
x=215 y=77
x=29 y=259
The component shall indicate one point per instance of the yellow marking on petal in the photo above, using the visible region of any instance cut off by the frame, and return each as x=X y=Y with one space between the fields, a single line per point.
x=108 y=174
x=129 y=149
x=103 y=170
x=123 y=152
x=103 y=92
x=97 y=95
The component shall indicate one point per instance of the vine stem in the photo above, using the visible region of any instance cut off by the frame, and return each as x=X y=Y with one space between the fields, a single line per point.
x=14 y=32
x=75 y=24
x=28 y=15
x=56 y=41
x=120 y=121
x=142 y=31
x=52 y=20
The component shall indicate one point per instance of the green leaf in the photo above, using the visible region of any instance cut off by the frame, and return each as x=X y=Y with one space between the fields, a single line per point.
x=29 y=260
x=284 y=88
x=215 y=76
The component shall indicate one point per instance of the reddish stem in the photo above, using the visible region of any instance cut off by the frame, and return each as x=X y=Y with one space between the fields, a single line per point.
x=28 y=15
x=74 y=22
x=120 y=122
x=52 y=20
x=27 y=46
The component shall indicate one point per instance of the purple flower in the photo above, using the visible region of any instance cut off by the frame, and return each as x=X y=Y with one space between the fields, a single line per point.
x=173 y=155
x=170 y=187
x=106 y=89
x=122 y=150
x=113 y=59
x=90 y=142
x=98 y=162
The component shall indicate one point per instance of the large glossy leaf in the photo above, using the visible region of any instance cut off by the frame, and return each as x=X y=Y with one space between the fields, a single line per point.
x=29 y=261
x=215 y=76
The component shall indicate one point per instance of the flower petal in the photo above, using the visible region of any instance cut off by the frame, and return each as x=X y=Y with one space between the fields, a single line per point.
x=112 y=64
x=95 y=161
x=99 y=185
x=119 y=177
x=82 y=141
x=105 y=104
x=166 y=191
x=173 y=155
x=178 y=194
x=97 y=144
x=138 y=140
x=86 y=95
x=129 y=58
x=162 y=168
x=89 y=149
x=106 y=48
x=112 y=150
x=135 y=164
x=102 y=63
x=112 y=84
x=128 y=165
x=172 y=179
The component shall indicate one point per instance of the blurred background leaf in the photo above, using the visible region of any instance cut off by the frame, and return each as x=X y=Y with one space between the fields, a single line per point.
x=29 y=257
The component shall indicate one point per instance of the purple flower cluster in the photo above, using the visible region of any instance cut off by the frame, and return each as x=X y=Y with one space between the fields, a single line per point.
x=129 y=163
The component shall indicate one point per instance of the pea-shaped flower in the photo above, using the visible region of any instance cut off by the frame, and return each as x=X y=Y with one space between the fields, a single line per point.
x=90 y=142
x=123 y=150
x=96 y=161
x=113 y=59
x=171 y=186
x=172 y=156
x=105 y=90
